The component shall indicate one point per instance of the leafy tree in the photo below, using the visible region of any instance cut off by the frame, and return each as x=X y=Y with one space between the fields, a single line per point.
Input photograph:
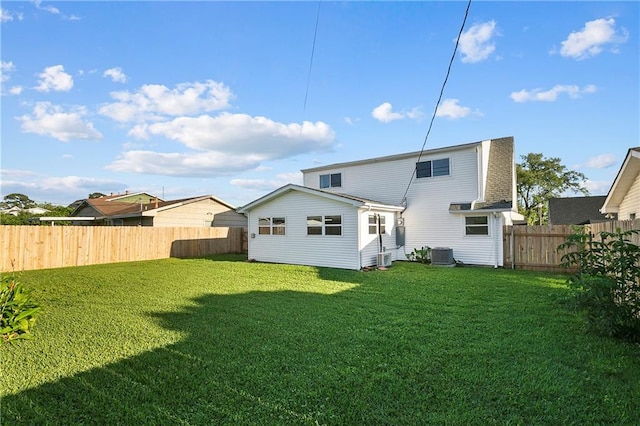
x=18 y=200
x=540 y=178
x=21 y=219
x=96 y=195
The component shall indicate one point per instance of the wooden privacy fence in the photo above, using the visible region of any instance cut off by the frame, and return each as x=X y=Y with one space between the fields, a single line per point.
x=41 y=247
x=536 y=247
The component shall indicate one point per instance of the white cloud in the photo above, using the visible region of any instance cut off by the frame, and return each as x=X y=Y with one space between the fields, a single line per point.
x=384 y=113
x=598 y=187
x=7 y=15
x=206 y=164
x=602 y=161
x=6 y=68
x=42 y=188
x=476 y=44
x=592 y=39
x=154 y=101
x=241 y=133
x=16 y=90
x=449 y=108
x=50 y=9
x=116 y=75
x=228 y=143
x=54 y=78
x=551 y=95
x=281 y=179
x=52 y=120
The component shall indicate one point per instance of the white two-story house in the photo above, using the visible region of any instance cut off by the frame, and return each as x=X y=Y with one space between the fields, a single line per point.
x=361 y=213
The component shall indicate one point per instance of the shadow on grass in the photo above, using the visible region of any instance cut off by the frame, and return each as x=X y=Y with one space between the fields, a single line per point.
x=362 y=356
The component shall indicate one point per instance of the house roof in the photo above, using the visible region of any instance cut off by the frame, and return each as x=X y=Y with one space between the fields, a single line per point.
x=626 y=176
x=399 y=156
x=344 y=198
x=576 y=210
x=115 y=209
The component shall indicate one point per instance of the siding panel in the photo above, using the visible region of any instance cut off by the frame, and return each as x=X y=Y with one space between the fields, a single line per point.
x=631 y=202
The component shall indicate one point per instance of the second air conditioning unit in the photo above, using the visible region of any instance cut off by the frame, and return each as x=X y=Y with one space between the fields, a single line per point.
x=384 y=259
x=442 y=256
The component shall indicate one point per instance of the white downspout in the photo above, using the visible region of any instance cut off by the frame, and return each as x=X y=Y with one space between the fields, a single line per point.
x=496 y=235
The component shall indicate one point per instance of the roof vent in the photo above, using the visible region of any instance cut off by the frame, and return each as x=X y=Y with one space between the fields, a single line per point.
x=442 y=256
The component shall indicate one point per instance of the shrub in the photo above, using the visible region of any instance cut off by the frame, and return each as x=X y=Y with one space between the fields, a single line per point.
x=17 y=309
x=422 y=255
x=606 y=286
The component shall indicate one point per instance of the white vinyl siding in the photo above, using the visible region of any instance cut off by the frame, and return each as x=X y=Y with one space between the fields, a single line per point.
x=201 y=213
x=631 y=201
x=297 y=247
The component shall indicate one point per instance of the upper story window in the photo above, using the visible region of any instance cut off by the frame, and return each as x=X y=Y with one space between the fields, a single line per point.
x=333 y=180
x=476 y=225
x=373 y=224
x=324 y=225
x=433 y=168
x=271 y=226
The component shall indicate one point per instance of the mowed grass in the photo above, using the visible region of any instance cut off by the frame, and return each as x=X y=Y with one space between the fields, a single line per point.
x=225 y=341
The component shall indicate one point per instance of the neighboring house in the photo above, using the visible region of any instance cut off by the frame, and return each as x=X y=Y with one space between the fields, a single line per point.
x=15 y=211
x=127 y=197
x=198 y=211
x=623 y=198
x=457 y=197
x=576 y=210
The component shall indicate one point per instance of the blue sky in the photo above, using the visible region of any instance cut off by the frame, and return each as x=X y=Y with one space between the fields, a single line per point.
x=182 y=99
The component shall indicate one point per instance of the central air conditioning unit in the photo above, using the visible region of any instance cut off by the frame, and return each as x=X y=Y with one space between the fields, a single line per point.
x=384 y=259
x=442 y=256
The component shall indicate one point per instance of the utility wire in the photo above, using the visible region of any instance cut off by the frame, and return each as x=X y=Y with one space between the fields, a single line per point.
x=313 y=49
x=444 y=83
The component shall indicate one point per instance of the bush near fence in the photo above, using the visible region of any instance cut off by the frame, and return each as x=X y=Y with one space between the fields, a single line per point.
x=536 y=247
x=41 y=247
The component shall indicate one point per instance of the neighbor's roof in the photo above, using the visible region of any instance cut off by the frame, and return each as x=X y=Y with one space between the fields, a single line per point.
x=344 y=198
x=576 y=210
x=115 y=209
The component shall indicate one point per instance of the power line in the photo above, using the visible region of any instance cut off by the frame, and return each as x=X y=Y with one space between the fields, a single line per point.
x=444 y=83
x=313 y=49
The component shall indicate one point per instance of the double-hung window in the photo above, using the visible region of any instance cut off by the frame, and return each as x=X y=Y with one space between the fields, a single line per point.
x=432 y=168
x=324 y=225
x=476 y=225
x=271 y=226
x=373 y=224
x=333 y=180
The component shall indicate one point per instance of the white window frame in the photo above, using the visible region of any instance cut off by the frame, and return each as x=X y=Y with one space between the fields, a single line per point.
x=432 y=168
x=373 y=226
x=323 y=226
x=271 y=226
x=468 y=226
x=330 y=176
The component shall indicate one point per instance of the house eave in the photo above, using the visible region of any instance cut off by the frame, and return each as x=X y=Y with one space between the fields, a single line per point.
x=393 y=157
x=623 y=181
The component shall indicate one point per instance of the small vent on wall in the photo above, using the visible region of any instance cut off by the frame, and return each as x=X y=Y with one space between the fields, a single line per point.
x=442 y=256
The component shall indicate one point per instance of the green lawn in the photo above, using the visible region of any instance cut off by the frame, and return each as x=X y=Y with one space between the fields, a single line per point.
x=225 y=341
